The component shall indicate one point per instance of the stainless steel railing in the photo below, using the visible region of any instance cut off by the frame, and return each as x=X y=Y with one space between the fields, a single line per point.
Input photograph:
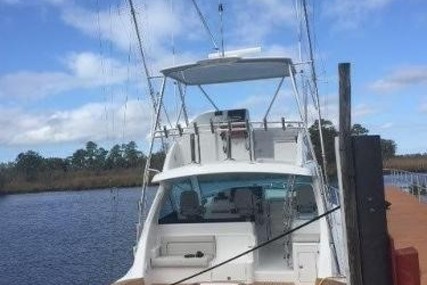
x=410 y=182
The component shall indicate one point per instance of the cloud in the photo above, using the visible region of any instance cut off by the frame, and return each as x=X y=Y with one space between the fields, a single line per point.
x=280 y=50
x=269 y=14
x=157 y=23
x=401 y=78
x=363 y=110
x=350 y=14
x=386 y=126
x=87 y=122
x=83 y=70
x=423 y=108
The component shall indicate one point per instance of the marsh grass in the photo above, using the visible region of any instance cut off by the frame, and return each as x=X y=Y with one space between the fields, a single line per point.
x=75 y=180
x=408 y=163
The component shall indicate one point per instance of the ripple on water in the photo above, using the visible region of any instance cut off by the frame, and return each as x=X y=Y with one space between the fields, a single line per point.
x=75 y=237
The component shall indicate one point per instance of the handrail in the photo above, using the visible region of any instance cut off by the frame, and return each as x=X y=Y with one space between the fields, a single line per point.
x=410 y=182
x=224 y=127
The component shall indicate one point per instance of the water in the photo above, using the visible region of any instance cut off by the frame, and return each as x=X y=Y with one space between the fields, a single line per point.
x=79 y=237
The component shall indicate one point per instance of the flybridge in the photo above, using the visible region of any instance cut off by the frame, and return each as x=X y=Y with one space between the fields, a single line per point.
x=230 y=69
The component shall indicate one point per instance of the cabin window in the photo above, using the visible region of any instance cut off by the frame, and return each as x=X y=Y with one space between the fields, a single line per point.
x=233 y=197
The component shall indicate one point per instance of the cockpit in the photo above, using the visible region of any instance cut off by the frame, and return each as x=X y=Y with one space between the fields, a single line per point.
x=237 y=197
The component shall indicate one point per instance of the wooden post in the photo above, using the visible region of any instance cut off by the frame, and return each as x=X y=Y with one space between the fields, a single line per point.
x=363 y=197
x=348 y=179
x=371 y=211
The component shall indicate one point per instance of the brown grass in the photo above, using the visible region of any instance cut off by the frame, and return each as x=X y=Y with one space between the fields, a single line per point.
x=412 y=163
x=76 y=180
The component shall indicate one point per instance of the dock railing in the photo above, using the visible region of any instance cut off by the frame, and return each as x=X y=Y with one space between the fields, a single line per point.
x=409 y=182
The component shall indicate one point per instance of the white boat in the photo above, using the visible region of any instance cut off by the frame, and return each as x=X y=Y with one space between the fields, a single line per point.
x=229 y=184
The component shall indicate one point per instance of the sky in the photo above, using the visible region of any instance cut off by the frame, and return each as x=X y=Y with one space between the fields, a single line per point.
x=70 y=71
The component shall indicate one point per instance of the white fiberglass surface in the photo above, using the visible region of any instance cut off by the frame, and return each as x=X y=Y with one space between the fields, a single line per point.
x=232 y=69
x=232 y=197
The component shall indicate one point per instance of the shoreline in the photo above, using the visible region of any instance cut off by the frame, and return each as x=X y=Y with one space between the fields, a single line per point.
x=76 y=181
x=39 y=191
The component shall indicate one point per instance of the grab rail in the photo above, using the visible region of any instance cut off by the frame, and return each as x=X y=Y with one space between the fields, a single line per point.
x=226 y=127
x=410 y=182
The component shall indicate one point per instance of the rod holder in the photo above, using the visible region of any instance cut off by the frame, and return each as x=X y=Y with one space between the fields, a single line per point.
x=196 y=129
x=179 y=129
x=197 y=133
x=212 y=125
x=229 y=140
x=283 y=124
x=165 y=131
x=193 y=148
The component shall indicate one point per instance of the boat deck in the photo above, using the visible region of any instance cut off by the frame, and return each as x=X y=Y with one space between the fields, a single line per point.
x=407 y=224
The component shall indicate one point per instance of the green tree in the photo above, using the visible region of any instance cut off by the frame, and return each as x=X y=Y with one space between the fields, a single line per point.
x=359 y=130
x=55 y=164
x=101 y=158
x=78 y=159
x=388 y=148
x=115 y=158
x=131 y=154
x=91 y=155
x=329 y=134
x=29 y=164
x=157 y=160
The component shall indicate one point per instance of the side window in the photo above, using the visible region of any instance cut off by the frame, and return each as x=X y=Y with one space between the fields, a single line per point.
x=179 y=187
x=167 y=208
x=171 y=205
x=305 y=200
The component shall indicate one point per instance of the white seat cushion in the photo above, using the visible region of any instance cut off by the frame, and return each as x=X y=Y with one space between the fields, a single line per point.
x=181 y=261
x=173 y=249
x=181 y=245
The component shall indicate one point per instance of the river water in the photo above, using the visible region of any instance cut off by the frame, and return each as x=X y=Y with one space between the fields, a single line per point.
x=76 y=237
x=67 y=238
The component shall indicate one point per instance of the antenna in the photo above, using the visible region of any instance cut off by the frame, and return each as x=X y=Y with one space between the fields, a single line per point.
x=220 y=11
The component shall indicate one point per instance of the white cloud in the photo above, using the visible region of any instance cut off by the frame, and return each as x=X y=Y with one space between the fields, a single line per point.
x=423 y=108
x=87 y=122
x=350 y=14
x=363 y=110
x=157 y=23
x=387 y=126
x=279 y=50
x=84 y=70
x=269 y=14
x=400 y=78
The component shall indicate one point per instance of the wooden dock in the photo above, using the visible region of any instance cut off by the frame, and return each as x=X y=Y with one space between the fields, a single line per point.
x=407 y=224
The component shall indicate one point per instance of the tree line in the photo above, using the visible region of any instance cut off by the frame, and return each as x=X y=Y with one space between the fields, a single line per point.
x=94 y=166
x=92 y=160
x=388 y=147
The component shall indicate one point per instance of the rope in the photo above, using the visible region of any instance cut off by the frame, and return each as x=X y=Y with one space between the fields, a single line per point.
x=257 y=247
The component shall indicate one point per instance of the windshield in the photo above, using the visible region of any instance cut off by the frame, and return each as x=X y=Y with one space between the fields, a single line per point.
x=232 y=197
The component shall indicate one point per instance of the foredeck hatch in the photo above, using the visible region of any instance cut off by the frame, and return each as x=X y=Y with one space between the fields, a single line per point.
x=230 y=69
